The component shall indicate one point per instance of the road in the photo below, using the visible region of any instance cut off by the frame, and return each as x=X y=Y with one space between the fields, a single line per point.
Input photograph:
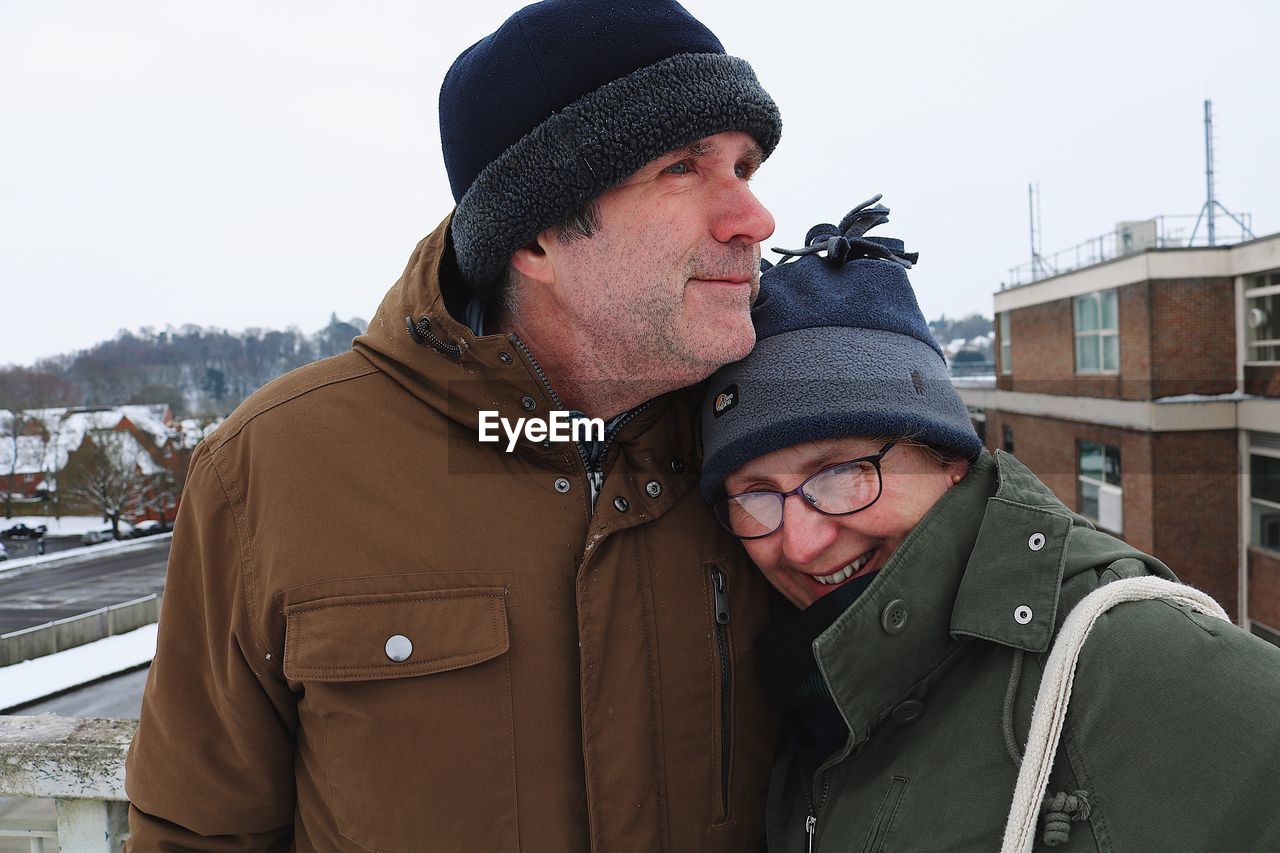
x=97 y=580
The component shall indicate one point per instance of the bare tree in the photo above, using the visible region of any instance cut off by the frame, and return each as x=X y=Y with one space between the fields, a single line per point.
x=106 y=473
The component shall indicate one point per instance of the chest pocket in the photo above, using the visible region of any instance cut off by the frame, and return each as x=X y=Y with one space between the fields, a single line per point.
x=405 y=718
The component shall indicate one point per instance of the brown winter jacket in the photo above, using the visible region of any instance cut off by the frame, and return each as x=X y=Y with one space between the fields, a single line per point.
x=569 y=686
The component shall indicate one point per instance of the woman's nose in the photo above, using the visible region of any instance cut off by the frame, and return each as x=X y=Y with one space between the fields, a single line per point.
x=806 y=533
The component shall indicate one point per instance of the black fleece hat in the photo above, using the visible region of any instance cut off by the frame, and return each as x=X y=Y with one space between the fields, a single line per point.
x=570 y=97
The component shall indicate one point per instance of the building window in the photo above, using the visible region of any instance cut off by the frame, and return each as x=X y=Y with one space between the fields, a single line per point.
x=1264 y=491
x=1008 y=439
x=1262 y=320
x=1101 y=498
x=1097 y=332
x=1006 y=345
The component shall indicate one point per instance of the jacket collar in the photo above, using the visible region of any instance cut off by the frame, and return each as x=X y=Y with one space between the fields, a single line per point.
x=467 y=373
x=963 y=572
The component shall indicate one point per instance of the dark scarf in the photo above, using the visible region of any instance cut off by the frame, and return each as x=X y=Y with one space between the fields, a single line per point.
x=811 y=720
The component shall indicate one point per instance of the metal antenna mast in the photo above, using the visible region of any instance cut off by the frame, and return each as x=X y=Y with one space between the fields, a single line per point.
x=1211 y=201
x=1039 y=267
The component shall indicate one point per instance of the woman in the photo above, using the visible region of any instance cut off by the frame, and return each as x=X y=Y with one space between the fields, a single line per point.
x=927 y=581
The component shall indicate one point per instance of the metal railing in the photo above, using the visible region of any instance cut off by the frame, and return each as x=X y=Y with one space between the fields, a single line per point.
x=79 y=763
x=1162 y=232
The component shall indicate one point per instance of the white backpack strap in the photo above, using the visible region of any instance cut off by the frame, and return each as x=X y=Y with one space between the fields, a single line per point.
x=1055 y=692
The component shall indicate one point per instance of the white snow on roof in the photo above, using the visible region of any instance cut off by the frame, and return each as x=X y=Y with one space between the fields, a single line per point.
x=30 y=452
x=1234 y=396
x=64 y=430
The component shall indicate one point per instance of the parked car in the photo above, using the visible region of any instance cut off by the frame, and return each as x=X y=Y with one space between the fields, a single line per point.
x=103 y=533
x=150 y=527
x=22 y=531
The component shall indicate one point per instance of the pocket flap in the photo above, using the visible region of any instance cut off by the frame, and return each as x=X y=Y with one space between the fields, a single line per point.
x=346 y=638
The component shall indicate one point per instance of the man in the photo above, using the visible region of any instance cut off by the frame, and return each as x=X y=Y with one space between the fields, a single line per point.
x=382 y=633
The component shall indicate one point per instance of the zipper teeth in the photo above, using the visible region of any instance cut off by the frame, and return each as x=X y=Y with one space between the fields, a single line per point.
x=551 y=392
x=720 y=595
x=555 y=398
x=542 y=374
x=814 y=810
x=725 y=691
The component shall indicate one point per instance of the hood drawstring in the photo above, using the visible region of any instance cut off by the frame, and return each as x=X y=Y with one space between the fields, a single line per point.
x=1059 y=811
x=422 y=334
x=1006 y=717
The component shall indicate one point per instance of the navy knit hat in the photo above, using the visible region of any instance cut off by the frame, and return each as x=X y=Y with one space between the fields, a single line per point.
x=841 y=350
x=569 y=98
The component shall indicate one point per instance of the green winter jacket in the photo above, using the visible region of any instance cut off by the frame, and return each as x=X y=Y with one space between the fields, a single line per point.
x=1172 y=737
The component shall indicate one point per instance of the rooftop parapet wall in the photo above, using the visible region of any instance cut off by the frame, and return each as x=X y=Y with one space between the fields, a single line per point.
x=1255 y=256
x=1176 y=337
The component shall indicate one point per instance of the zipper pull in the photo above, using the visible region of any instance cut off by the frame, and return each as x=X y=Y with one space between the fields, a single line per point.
x=721 y=590
x=810 y=824
x=595 y=479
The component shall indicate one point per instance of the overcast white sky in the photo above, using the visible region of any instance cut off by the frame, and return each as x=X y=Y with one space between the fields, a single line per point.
x=247 y=164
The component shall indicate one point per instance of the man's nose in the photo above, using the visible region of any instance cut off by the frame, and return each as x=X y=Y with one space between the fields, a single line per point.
x=806 y=533
x=742 y=218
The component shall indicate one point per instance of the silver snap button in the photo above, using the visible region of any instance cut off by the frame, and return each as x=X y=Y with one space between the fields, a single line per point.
x=562 y=485
x=1022 y=615
x=620 y=504
x=653 y=488
x=677 y=466
x=504 y=357
x=399 y=647
x=1036 y=542
x=528 y=403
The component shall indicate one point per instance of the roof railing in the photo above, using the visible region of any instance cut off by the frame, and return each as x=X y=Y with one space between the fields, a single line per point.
x=1129 y=238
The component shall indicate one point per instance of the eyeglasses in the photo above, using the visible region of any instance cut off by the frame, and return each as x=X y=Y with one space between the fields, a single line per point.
x=840 y=489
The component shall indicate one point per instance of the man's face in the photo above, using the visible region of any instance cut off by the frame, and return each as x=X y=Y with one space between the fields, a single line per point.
x=664 y=287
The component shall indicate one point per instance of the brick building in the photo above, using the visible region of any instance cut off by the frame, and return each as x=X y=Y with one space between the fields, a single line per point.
x=1145 y=391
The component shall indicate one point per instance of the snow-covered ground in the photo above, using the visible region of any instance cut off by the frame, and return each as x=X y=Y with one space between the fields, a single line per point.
x=65 y=526
x=34 y=679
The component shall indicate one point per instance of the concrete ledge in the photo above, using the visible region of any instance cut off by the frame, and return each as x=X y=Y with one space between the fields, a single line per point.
x=64 y=757
x=63 y=634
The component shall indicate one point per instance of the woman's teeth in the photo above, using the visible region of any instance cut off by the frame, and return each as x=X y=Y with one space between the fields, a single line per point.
x=845 y=573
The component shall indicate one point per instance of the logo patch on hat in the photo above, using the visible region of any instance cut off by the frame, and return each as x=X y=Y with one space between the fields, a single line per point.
x=725 y=400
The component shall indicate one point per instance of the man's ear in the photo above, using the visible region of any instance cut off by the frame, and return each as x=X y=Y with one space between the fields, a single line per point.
x=533 y=261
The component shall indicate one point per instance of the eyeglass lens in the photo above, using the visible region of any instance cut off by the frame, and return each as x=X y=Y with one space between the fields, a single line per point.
x=839 y=490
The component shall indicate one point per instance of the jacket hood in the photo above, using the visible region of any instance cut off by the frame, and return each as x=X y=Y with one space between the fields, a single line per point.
x=998 y=558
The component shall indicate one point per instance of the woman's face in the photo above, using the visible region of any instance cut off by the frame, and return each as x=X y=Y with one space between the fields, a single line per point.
x=837 y=549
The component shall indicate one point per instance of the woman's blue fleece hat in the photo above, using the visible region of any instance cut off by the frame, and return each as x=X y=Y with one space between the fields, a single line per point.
x=842 y=349
x=569 y=98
